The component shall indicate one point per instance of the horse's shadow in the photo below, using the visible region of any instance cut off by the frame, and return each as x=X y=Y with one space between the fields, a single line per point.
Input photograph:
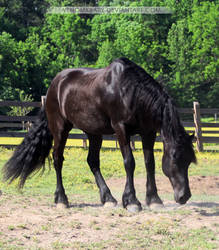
x=200 y=207
x=194 y=205
x=85 y=205
x=205 y=205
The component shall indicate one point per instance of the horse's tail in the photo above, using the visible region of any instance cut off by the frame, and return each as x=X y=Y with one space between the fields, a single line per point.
x=31 y=154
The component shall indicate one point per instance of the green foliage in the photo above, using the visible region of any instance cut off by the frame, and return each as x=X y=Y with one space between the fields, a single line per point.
x=181 y=50
x=179 y=41
x=67 y=36
x=106 y=54
x=138 y=37
x=16 y=16
x=193 y=49
x=8 y=75
x=21 y=111
x=204 y=26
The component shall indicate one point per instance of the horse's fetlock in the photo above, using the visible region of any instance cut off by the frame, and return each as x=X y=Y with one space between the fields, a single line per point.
x=153 y=199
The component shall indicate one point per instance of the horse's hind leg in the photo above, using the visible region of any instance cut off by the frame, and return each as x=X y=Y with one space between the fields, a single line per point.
x=60 y=132
x=93 y=160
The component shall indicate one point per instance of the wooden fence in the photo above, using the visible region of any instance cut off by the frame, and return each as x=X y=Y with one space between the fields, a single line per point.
x=195 y=126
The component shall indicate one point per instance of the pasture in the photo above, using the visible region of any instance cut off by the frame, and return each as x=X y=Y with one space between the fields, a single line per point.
x=29 y=219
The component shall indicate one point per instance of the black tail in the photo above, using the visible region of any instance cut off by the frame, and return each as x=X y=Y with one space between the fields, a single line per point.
x=31 y=154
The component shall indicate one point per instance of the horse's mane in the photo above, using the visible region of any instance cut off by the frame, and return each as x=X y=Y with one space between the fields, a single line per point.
x=154 y=99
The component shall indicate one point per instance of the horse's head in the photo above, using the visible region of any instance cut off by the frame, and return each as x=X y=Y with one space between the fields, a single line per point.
x=175 y=164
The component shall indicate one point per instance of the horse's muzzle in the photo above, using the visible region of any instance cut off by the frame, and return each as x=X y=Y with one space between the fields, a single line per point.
x=182 y=197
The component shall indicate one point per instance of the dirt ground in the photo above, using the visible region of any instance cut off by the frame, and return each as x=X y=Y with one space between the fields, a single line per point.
x=35 y=223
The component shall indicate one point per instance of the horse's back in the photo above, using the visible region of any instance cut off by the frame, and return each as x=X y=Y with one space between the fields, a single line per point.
x=82 y=97
x=93 y=99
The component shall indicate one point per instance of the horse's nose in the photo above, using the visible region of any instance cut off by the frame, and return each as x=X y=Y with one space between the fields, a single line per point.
x=182 y=197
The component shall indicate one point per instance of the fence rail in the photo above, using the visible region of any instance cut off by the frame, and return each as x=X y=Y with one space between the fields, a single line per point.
x=193 y=126
x=5 y=118
x=20 y=104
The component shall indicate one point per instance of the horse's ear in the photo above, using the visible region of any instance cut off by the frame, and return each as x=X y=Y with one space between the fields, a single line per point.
x=192 y=137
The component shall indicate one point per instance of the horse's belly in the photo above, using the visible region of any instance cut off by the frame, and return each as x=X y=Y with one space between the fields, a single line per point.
x=92 y=123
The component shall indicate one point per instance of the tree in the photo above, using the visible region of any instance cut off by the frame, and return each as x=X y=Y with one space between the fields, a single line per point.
x=18 y=15
x=180 y=84
x=180 y=49
x=193 y=50
x=142 y=38
x=8 y=72
x=68 y=38
x=106 y=54
x=204 y=26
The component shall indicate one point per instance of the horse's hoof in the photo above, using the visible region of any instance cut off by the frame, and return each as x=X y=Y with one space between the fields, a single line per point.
x=109 y=204
x=156 y=206
x=61 y=206
x=134 y=208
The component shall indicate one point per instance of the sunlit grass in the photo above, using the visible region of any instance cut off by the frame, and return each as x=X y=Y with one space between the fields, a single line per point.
x=77 y=143
x=76 y=172
x=10 y=140
x=210 y=134
x=107 y=144
x=81 y=188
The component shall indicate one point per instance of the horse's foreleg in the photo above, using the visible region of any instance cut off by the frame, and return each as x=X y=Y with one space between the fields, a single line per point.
x=93 y=160
x=129 y=198
x=152 y=197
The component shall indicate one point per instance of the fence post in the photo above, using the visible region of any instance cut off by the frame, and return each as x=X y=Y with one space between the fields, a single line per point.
x=198 y=130
x=84 y=143
x=116 y=144
x=43 y=100
x=132 y=144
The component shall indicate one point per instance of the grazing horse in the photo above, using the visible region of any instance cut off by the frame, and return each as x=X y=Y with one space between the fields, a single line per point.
x=120 y=99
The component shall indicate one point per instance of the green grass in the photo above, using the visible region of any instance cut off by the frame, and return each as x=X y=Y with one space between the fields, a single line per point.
x=146 y=230
x=77 y=175
x=75 y=143
x=106 y=144
x=153 y=237
x=209 y=119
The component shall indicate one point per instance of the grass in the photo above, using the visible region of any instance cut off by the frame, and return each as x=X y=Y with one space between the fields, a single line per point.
x=147 y=230
x=106 y=144
x=74 y=143
x=76 y=172
x=209 y=119
x=145 y=238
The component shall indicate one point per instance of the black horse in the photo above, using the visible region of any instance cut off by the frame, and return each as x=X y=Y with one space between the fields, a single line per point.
x=122 y=99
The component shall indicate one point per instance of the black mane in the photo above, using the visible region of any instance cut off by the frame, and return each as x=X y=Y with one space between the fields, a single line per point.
x=154 y=98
